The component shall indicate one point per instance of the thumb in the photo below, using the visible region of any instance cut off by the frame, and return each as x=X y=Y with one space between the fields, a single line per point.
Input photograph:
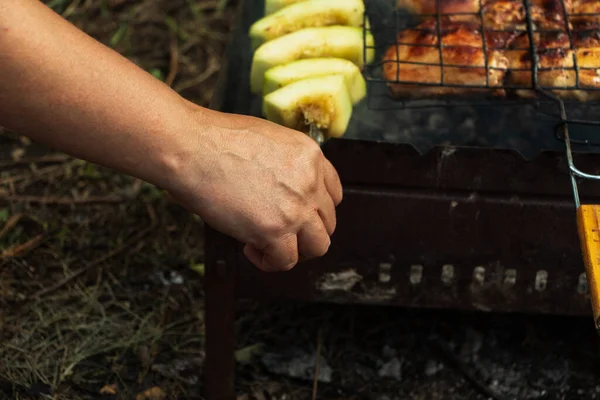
x=281 y=256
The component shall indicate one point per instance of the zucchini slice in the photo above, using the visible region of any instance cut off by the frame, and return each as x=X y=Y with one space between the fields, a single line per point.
x=283 y=75
x=322 y=101
x=324 y=42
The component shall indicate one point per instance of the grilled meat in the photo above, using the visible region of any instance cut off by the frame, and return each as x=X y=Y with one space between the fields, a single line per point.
x=587 y=53
x=464 y=61
x=445 y=6
x=504 y=15
x=497 y=14
x=554 y=61
x=512 y=15
x=556 y=64
x=585 y=14
x=549 y=14
x=567 y=52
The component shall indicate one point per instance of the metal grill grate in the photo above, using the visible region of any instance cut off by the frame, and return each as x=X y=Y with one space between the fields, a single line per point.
x=567 y=34
x=575 y=28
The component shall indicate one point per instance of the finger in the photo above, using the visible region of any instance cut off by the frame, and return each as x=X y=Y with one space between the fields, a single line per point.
x=327 y=213
x=254 y=255
x=332 y=182
x=278 y=256
x=313 y=240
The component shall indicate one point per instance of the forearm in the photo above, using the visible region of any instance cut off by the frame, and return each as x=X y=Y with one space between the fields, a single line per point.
x=62 y=88
x=267 y=186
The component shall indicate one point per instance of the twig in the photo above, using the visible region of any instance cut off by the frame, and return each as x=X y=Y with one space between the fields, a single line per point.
x=20 y=177
x=51 y=158
x=59 y=200
x=94 y=263
x=71 y=8
x=212 y=68
x=174 y=62
x=21 y=248
x=12 y=221
x=317 y=365
x=152 y=214
x=37 y=174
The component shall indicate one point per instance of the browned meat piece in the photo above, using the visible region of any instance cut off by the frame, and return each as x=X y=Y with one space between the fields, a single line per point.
x=585 y=14
x=587 y=45
x=556 y=66
x=446 y=6
x=512 y=15
x=466 y=56
x=549 y=14
x=498 y=14
x=504 y=15
x=555 y=62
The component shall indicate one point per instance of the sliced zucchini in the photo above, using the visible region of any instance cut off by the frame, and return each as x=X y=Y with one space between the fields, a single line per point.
x=307 y=14
x=324 y=42
x=272 y=6
x=322 y=101
x=282 y=75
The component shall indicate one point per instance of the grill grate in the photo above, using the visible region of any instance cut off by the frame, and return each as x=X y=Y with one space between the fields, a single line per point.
x=570 y=31
x=386 y=19
x=565 y=25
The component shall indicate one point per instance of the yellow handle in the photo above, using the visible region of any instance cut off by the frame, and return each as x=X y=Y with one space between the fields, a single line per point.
x=588 y=224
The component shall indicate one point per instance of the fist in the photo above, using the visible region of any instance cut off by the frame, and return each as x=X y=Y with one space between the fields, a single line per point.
x=267 y=186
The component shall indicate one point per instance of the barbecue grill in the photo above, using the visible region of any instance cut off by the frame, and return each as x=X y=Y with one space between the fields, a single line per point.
x=464 y=203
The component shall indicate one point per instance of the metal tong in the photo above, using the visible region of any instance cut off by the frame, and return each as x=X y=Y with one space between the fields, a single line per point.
x=588 y=220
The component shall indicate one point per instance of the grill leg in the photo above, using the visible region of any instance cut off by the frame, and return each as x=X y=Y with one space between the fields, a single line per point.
x=220 y=332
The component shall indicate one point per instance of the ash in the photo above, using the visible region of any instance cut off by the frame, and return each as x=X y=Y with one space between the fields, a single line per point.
x=380 y=353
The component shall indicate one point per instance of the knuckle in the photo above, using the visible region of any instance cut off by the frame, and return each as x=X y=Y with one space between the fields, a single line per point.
x=291 y=214
x=271 y=227
x=290 y=264
x=332 y=227
x=320 y=249
x=312 y=152
x=315 y=149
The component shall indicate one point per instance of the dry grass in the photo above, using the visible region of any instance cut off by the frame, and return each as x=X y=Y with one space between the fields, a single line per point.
x=99 y=279
x=110 y=294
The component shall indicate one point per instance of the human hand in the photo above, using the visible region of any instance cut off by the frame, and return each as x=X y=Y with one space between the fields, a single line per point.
x=265 y=185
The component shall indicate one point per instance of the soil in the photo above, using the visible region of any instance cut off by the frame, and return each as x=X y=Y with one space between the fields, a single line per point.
x=101 y=278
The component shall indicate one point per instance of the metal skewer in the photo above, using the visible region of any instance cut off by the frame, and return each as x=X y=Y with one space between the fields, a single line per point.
x=316 y=134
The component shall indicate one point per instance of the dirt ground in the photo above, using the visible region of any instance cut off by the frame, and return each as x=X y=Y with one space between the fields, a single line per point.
x=101 y=278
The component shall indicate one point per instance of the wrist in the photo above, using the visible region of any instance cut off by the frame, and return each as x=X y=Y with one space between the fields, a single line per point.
x=189 y=151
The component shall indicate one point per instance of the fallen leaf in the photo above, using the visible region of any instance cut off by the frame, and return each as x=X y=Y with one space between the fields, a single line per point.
x=109 y=390
x=154 y=393
x=199 y=268
x=17 y=153
x=245 y=354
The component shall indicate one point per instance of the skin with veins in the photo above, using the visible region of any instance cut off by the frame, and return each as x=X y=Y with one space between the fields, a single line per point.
x=268 y=186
